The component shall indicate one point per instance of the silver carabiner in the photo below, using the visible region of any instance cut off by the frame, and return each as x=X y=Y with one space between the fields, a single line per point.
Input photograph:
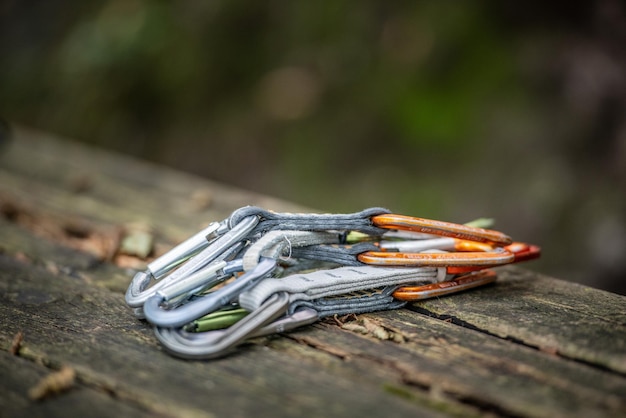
x=186 y=249
x=138 y=291
x=213 y=344
x=206 y=304
x=178 y=292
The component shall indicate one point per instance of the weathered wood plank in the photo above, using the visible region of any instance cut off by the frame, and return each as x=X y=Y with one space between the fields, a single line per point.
x=73 y=262
x=65 y=191
x=70 y=178
x=20 y=243
x=72 y=321
x=68 y=322
x=526 y=346
x=574 y=321
x=495 y=374
x=19 y=375
x=510 y=377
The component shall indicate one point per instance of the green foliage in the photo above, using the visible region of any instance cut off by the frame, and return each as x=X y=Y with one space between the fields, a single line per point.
x=443 y=109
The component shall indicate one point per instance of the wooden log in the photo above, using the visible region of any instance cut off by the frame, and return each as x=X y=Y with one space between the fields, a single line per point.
x=528 y=345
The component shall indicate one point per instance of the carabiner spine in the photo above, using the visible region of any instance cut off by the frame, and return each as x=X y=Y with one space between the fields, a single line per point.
x=445 y=229
x=381 y=258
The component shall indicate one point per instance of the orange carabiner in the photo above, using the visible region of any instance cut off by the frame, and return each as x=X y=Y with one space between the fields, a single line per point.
x=467 y=281
x=520 y=250
x=496 y=257
x=456 y=262
x=523 y=251
x=445 y=229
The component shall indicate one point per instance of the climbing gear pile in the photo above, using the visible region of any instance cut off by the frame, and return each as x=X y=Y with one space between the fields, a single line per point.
x=260 y=272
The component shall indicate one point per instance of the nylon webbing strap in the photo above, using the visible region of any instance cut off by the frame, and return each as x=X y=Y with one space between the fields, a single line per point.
x=363 y=301
x=275 y=244
x=358 y=221
x=324 y=283
x=340 y=254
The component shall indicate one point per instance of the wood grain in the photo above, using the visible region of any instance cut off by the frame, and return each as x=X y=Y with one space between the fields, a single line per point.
x=528 y=345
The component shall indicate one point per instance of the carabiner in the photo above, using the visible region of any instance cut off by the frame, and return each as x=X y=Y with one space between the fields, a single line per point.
x=175 y=293
x=205 y=304
x=520 y=250
x=213 y=344
x=185 y=250
x=216 y=320
x=446 y=229
x=496 y=257
x=523 y=251
x=459 y=284
x=139 y=291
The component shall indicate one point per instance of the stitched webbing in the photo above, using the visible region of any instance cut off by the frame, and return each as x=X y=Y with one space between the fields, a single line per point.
x=367 y=301
x=340 y=254
x=278 y=243
x=358 y=221
x=324 y=283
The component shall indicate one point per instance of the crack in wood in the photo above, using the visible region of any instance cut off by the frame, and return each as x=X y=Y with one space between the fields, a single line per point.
x=408 y=378
x=318 y=345
x=439 y=394
x=548 y=350
x=483 y=406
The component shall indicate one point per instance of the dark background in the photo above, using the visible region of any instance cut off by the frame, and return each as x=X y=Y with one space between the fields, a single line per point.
x=451 y=110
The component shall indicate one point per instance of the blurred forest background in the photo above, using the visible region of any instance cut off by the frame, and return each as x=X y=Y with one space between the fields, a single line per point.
x=451 y=110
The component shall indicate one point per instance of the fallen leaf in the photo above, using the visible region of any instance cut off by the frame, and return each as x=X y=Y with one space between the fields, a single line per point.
x=53 y=384
x=17 y=343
